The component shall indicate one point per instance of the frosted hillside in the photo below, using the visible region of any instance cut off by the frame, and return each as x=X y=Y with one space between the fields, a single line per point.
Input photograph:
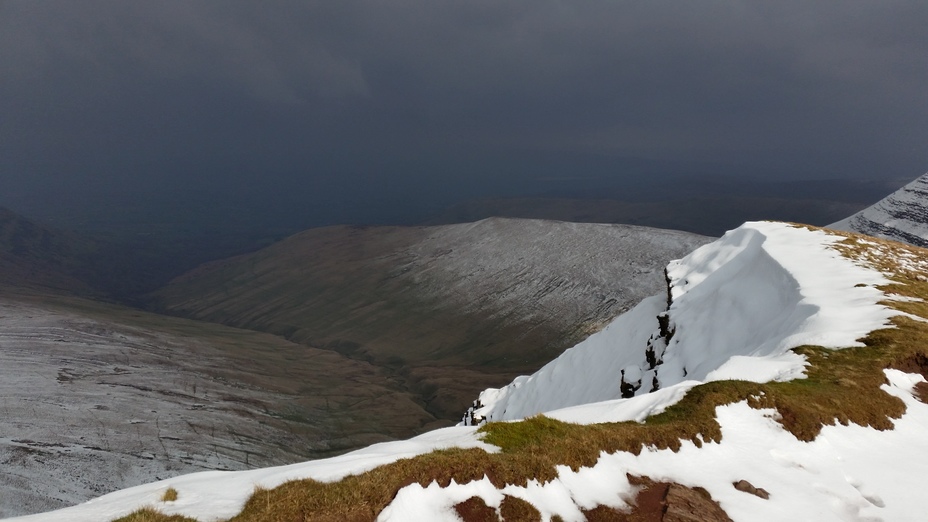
x=734 y=310
x=901 y=216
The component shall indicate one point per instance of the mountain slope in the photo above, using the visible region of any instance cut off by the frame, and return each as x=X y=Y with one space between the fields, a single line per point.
x=820 y=415
x=97 y=397
x=36 y=257
x=449 y=309
x=901 y=216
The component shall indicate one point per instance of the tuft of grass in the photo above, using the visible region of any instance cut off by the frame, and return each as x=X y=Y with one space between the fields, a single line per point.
x=841 y=387
x=513 y=508
x=151 y=515
x=170 y=495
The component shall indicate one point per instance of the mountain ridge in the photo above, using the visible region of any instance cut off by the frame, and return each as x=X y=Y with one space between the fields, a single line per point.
x=902 y=215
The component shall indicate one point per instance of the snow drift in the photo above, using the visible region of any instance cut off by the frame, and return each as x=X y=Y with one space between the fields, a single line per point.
x=736 y=308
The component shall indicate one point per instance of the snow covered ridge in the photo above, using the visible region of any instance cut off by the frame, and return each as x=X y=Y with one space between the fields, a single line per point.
x=736 y=308
x=901 y=216
x=788 y=286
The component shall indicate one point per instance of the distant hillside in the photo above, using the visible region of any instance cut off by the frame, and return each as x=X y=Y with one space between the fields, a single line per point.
x=33 y=256
x=448 y=309
x=901 y=216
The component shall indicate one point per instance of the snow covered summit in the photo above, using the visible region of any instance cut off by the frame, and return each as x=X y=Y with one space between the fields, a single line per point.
x=901 y=216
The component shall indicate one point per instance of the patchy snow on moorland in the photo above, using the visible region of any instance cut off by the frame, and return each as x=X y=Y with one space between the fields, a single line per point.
x=848 y=473
x=737 y=307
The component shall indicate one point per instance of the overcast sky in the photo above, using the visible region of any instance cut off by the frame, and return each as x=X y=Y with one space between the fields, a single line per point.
x=384 y=103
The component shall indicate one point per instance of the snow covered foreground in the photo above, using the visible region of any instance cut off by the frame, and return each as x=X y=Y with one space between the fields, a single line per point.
x=738 y=306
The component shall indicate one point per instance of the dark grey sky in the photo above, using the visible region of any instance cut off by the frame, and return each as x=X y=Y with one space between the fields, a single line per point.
x=354 y=105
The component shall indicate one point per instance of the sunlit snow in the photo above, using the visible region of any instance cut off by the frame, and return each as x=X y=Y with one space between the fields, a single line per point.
x=739 y=305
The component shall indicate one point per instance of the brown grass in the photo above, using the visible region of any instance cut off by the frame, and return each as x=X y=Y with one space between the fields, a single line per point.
x=170 y=495
x=842 y=386
x=151 y=515
x=513 y=508
x=475 y=509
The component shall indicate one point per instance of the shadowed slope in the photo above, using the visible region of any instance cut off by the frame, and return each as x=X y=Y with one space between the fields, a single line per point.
x=36 y=257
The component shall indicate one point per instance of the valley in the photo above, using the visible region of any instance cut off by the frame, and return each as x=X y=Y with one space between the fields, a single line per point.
x=446 y=308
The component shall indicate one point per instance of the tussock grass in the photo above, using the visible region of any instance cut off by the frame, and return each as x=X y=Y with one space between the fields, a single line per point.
x=842 y=386
x=513 y=508
x=151 y=515
x=170 y=495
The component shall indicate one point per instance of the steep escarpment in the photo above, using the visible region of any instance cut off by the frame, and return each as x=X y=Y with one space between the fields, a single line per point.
x=901 y=216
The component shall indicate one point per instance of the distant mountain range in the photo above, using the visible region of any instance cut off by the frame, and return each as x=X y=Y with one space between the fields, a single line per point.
x=901 y=216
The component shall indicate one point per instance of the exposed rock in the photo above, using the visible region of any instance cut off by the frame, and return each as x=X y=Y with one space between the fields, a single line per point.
x=691 y=505
x=665 y=502
x=747 y=487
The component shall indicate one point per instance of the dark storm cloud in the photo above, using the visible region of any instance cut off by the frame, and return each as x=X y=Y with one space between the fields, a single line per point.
x=390 y=100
